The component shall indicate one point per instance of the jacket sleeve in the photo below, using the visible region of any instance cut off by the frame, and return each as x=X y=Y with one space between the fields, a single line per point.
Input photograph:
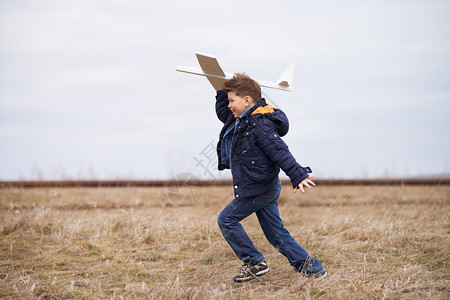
x=222 y=110
x=277 y=151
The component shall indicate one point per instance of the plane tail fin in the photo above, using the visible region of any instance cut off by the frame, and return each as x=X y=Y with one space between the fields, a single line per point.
x=287 y=76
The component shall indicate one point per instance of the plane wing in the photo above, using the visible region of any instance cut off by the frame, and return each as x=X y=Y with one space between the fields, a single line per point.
x=216 y=76
x=209 y=65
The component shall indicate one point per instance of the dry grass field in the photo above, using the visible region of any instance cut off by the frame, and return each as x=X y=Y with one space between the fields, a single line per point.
x=161 y=243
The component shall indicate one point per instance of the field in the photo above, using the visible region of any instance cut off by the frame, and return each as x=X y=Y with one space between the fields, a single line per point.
x=161 y=243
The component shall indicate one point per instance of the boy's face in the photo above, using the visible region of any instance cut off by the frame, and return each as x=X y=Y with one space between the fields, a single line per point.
x=238 y=104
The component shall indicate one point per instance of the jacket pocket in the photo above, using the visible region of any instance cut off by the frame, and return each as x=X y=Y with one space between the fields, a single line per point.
x=256 y=168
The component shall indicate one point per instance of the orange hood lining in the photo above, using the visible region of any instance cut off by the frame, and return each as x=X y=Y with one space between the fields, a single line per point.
x=263 y=110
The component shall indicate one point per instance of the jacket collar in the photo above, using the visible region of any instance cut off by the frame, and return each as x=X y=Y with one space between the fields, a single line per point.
x=252 y=109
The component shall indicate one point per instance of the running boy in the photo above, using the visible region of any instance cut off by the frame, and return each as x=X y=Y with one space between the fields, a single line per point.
x=250 y=144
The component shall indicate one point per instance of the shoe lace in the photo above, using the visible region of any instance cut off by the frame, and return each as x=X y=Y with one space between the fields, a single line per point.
x=244 y=268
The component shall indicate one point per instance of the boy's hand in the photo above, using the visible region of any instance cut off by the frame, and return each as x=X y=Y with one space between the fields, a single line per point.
x=307 y=182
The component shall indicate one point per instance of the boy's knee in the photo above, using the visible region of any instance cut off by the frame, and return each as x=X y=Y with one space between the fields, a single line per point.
x=221 y=220
x=224 y=220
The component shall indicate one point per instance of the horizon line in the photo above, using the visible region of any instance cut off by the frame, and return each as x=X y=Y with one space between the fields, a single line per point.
x=208 y=182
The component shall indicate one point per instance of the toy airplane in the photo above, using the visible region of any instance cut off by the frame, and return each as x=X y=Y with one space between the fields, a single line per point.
x=212 y=70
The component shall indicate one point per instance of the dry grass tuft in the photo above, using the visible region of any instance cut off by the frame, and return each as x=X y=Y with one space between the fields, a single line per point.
x=376 y=242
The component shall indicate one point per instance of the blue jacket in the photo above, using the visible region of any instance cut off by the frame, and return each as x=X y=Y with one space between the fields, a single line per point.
x=257 y=150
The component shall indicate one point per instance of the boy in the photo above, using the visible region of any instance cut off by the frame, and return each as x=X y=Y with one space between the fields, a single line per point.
x=250 y=145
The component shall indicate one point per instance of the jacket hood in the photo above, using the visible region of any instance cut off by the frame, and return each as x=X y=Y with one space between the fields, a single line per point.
x=277 y=116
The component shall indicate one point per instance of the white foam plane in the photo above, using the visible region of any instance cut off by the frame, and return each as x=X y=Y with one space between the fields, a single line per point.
x=212 y=70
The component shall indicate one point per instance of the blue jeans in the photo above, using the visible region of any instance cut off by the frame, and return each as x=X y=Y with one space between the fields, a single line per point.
x=266 y=208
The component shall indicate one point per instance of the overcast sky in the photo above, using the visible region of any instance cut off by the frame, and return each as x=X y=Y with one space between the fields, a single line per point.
x=88 y=89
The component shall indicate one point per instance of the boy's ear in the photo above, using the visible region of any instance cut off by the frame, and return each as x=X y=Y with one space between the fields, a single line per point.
x=248 y=100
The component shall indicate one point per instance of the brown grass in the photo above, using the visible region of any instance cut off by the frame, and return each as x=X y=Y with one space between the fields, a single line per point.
x=376 y=242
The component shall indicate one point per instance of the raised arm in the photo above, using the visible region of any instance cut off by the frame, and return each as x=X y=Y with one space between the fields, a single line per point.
x=222 y=110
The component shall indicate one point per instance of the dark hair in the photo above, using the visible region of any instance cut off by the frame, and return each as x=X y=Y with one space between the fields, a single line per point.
x=243 y=86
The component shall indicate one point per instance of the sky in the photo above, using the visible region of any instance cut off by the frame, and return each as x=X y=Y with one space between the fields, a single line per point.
x=88 y=89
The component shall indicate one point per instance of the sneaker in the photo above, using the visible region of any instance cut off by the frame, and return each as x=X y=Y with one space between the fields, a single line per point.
x=248 y=271
x=320 y=274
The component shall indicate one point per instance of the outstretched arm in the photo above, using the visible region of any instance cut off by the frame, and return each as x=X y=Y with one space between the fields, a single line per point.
x=278 y=152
